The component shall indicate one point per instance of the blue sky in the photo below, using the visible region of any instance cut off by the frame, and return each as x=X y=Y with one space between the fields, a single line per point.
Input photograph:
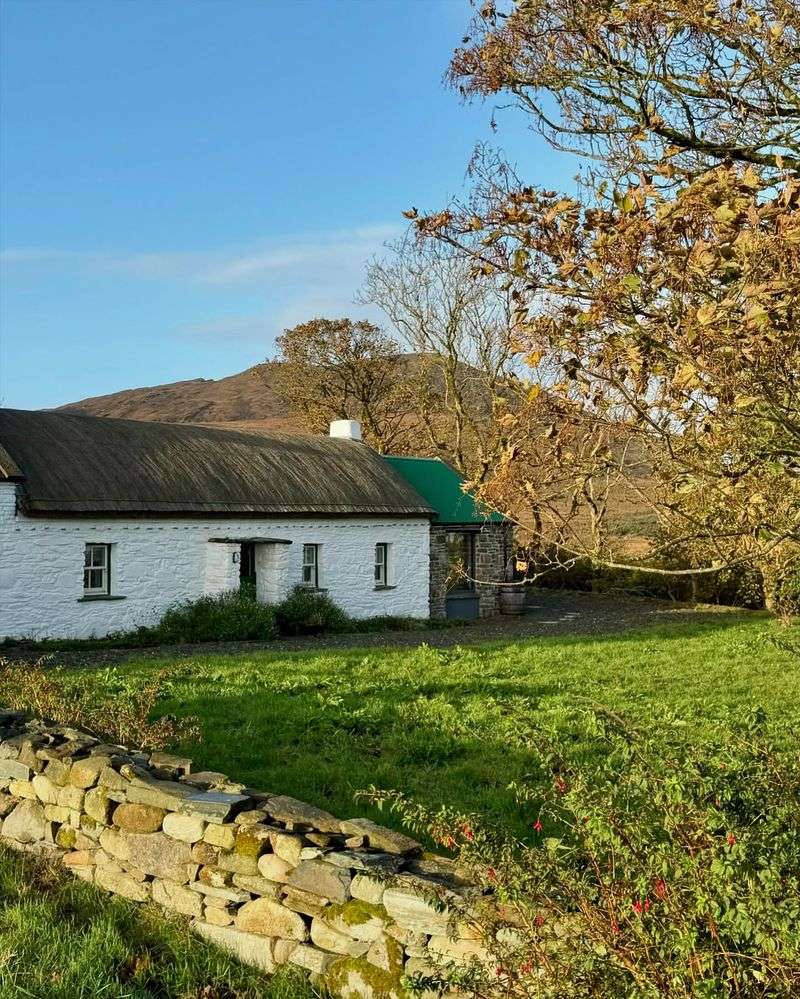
x=182 y=179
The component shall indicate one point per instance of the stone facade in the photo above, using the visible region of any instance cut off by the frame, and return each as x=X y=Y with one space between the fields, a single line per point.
x=268 y=877
x=493 y=545
x=158 y=561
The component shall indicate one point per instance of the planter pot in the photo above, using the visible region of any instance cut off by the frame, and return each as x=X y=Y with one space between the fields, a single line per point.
x=512 y=600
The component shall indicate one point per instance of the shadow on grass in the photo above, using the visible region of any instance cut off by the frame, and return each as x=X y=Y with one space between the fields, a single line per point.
x=441 y=724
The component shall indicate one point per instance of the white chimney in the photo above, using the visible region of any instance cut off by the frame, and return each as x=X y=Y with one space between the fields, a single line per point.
x=347 y=430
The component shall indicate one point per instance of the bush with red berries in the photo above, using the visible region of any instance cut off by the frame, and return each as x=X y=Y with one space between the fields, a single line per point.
x=654 y=866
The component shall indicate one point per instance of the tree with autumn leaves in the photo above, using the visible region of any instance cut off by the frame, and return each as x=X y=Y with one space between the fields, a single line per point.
x=658 y=314
x=632 y=84
x=427 y=387
x=330 y=369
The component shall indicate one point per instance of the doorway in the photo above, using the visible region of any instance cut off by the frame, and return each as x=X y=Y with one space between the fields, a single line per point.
x=247 y=569
x=461 y=599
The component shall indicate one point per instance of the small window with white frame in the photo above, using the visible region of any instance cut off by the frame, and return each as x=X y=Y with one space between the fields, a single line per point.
x=381 y=564
x=96 y=570
x=311 y=566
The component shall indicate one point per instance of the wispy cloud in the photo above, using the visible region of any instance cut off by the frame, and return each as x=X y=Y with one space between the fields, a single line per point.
x=36 y=255
x=338 y=250
x=292 y=279
x=262 y=327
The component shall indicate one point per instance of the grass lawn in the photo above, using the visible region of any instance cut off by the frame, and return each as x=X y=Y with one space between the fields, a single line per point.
x=435 y=723
x=320 y=726
x=63 y=939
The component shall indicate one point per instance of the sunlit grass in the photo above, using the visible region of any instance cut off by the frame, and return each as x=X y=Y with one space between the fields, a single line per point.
x=436 y=722
x=63 y=939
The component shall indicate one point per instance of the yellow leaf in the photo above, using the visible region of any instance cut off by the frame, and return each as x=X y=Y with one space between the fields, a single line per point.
x=706 y=313
x=685 y=376
x=724 y=214
x=750 y=179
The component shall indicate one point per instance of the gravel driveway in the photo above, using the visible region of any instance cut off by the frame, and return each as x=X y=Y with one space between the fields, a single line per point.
x=550 y=612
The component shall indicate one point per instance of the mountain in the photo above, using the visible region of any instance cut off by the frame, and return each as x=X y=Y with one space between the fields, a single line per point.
x=248 y=398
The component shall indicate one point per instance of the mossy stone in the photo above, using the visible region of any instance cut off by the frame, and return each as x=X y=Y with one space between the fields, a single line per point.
x=250 y=844
x=356 y=978
x=65 y=837
x=356 y=912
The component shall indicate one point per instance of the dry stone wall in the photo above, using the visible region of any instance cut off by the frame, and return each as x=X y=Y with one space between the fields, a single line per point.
x=270 y=878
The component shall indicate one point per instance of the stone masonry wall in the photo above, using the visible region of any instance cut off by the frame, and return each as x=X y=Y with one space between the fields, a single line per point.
x=492 y=546
x=265 y=876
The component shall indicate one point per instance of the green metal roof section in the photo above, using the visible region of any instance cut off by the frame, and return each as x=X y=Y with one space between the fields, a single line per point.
x=441 y=487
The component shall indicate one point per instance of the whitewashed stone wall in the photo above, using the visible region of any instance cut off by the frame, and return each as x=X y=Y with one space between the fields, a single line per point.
x=156 y=562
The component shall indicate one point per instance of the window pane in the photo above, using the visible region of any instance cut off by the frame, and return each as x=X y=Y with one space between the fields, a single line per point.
x=95 y=555
x=459 y=557
x=310 y=563
x=96 y=568
x=381 y=558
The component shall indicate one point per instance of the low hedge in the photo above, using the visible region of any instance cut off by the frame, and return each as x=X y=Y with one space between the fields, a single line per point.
x=237 y=616
x=654 y=866
x=227 y=617
x=740 y=586
x=309 y=612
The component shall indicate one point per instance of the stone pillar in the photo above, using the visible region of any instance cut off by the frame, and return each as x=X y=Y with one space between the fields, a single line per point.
x=491 y=552
x=439 y=567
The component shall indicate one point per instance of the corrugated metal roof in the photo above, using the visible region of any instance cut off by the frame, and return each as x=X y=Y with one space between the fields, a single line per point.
x=443 y=489
x=73 y=464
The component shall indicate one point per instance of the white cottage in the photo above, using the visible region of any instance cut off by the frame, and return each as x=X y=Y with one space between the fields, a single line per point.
x=106 y=523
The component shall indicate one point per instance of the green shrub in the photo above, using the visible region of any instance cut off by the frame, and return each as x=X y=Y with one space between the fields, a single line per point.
x=660 y=868
x=782 y=581
x=309 y=612
x=226 y=617
x=237 y=616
